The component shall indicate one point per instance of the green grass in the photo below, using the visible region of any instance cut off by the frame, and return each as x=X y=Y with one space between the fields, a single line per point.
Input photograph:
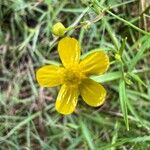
x=28 y=119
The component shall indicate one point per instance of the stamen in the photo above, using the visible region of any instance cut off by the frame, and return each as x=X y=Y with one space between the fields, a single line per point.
x=73 y=75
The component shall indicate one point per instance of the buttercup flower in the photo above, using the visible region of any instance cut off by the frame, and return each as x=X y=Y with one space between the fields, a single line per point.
x=73 y=76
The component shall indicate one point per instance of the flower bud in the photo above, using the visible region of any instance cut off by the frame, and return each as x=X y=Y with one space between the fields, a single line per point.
x=58 y=29
x=117 y=57
x=86 y=24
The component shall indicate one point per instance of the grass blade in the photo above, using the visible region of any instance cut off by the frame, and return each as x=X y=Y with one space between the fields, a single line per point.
x=86 y=135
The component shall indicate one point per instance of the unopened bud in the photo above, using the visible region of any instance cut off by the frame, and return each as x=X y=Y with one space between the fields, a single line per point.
x=86 y=24
x=117 y=57
x=58 y=29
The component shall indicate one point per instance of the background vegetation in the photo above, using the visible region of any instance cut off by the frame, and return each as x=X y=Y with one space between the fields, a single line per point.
x=28 y=120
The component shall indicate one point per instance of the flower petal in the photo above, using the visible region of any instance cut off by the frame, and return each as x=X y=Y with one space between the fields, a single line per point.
x=69 y=51
x=95 y=63
x=92 y=92
x=49 y=76
x=67 y=99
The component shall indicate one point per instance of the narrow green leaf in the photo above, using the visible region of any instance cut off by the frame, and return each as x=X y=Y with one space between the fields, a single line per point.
x=122 y=46
x=137 y=78
x=123 y=101
x=107 y=77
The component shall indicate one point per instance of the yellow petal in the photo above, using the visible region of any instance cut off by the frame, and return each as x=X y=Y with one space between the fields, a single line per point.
x=92 y=92
x=95 y=63
x=49 y=76
x=67 y=99
x=69 y=51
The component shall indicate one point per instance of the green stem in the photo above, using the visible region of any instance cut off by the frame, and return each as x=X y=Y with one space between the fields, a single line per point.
x=128 y=23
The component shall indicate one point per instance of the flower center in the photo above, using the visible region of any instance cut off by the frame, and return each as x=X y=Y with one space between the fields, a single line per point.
x=73 y=75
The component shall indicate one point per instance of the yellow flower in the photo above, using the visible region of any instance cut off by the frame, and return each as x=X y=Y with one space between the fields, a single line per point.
x=58 y=29
x=74 y=75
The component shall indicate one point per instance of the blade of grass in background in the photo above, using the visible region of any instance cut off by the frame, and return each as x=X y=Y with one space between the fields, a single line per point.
x=86 y=134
